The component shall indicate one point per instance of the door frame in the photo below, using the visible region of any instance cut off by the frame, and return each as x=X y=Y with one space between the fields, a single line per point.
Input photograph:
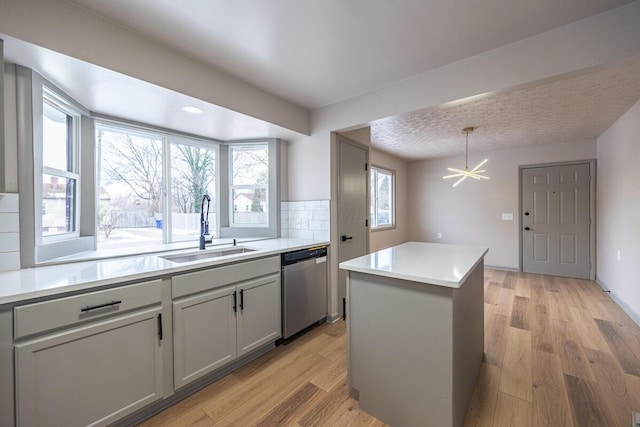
x=592 y=208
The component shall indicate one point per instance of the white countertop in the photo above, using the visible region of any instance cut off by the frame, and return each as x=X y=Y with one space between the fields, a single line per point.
x=26 y=284
x=431 y=263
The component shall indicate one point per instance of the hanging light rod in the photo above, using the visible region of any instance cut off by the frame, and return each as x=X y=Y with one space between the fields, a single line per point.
x=466 y=173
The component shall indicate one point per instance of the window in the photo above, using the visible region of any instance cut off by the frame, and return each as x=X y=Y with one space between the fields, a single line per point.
x=59 y=175
x=137 y=169
x=249 y=185
x=382 y=198
x=101 y=183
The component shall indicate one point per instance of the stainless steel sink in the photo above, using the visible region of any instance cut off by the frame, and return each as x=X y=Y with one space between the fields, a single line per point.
x=208 y=254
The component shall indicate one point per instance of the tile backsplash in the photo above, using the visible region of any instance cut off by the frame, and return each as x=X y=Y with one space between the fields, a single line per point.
x=9 y=232
x=306 y=220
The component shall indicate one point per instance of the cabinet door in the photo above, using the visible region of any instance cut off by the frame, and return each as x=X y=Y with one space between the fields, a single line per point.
x=92 y=375
x=258 y=313
x=204 y=335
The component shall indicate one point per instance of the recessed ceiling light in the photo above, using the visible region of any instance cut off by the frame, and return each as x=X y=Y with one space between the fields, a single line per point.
x=193 y=110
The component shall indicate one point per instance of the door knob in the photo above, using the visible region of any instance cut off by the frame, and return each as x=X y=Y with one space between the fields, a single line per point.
x=345 y=238
x=527 y=228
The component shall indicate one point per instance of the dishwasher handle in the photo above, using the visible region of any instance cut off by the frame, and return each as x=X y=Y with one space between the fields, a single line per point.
x=290 y=258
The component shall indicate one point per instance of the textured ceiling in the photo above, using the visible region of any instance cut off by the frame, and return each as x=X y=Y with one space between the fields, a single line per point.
x=315 y=53
x=572 y=109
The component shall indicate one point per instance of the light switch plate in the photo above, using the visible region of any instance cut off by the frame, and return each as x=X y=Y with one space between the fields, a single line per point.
x=507 y=217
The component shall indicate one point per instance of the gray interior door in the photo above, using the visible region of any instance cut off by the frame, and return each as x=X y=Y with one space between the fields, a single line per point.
x=352 y=206
x=556 y=220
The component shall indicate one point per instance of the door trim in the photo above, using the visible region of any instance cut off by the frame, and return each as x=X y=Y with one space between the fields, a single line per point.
x=592 y=208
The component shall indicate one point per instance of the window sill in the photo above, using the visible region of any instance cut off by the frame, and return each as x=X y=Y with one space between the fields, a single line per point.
x=384 y=228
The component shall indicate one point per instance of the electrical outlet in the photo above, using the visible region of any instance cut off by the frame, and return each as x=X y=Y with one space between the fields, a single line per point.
x=507 y=216
x=439 y=235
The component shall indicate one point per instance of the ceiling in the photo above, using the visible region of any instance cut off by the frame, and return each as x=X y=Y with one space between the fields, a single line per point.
x=578 y=108
x=316 y=53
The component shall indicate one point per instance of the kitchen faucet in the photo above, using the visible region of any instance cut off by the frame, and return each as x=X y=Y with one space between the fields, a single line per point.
x=205 y=237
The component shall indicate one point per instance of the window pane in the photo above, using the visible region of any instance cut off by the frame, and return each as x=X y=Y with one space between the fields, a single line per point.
x=130 y=206
x=249 y=184
x=250 y=206
x=373 y=201
x=250 y=165
x=56 y=141
x=58 y=205
x=384 y=199
x=193 y=175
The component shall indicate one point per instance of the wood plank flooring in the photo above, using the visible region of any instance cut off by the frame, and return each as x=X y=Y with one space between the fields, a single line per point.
x=558 y=352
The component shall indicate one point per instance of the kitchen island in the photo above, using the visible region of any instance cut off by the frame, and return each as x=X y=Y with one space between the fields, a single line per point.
x=415 y=324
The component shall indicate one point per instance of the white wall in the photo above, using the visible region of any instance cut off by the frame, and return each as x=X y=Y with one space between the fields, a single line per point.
x=618 y=210
x=385 y=238
x=470 y=213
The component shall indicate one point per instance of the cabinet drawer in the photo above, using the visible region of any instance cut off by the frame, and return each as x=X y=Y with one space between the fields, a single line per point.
x=43 y=316
x=186 y=284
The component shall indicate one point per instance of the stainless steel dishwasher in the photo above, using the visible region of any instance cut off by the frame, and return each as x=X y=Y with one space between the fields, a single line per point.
x=304 y=289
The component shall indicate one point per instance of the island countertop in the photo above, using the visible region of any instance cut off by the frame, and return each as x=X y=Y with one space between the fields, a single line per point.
x=430 y=263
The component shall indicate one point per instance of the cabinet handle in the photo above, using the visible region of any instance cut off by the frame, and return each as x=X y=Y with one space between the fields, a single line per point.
x=235 y=308
x=95 y=307
x=160 y=326
x=241 y=299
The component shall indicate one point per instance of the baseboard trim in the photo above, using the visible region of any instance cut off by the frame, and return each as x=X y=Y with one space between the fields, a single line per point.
x=634 y=316
x=500 y=268
x=333 y=317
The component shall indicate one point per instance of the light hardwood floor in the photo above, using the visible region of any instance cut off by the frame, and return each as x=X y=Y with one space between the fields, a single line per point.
x=558 y=352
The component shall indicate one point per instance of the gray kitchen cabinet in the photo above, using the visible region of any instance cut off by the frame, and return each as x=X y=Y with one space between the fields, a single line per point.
x=235 y=311
x=259 y=313
x=204 y=334
x=88 y=359
x=90 y=375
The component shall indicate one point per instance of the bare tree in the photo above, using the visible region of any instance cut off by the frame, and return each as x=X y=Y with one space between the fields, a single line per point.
x=251 y=165
x=135 y=161
x=192 y=176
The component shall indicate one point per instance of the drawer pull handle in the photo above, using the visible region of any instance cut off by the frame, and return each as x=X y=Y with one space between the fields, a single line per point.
x=95 y=307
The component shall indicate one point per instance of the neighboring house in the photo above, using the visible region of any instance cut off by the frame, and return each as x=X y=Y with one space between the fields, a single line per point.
x=243 y=202
x=54 y=205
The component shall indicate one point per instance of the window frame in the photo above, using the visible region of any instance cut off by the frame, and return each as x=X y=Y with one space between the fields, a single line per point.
x=34 y=250
x=63 y=105
x=375 y=170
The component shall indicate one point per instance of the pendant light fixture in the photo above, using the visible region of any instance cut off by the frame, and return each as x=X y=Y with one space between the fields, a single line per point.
x=466 y=173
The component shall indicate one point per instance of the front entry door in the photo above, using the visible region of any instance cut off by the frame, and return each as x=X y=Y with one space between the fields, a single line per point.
x=352 y=206
x=556 y=220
